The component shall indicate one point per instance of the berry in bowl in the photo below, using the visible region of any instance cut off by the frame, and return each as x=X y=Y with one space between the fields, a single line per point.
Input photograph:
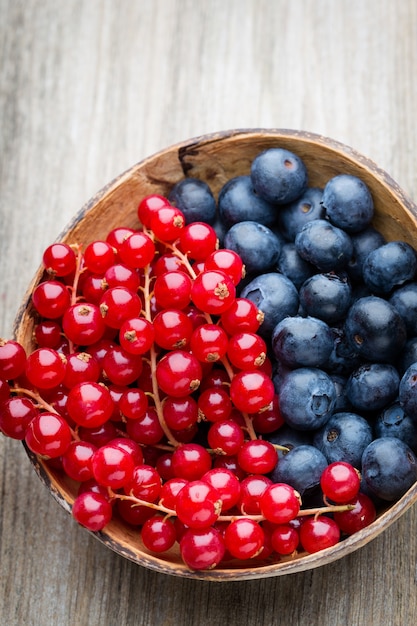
x=214 y=367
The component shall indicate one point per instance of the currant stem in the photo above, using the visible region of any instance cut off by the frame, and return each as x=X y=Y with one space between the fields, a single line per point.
x=153 y=363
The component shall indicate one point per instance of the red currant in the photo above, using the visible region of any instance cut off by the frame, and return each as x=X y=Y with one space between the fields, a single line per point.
x=213 y=292
x=251 y=391
x=209 y=343
x=228 y=261
x=178 y=373
x=83 y=324
x=244 y=538
x=90 y=404
x=158 y=534
x=45 y=368
x=92 y=510
x=202 y=549
x=167 y=223
x=59 y=259
x=48 y=435
x=198 y=504
x=318 y=533
x=280 y=503
x=112 y=466
x=51 y=299
x=340 y=482
x=12 y=359
x=198 y=240
x=362 y=514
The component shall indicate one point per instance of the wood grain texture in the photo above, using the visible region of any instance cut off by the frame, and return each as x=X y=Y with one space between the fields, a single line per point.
x=86 y=90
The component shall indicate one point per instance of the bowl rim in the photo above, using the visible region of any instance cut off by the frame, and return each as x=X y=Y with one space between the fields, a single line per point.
x=283 y=567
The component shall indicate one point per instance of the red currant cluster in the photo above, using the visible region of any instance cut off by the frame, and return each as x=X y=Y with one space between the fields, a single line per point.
x=150 y=387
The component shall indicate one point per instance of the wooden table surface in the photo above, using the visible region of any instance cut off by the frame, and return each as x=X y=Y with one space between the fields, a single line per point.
x=87 y=89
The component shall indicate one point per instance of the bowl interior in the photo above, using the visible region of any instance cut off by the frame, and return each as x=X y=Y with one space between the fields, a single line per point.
x=216 y=158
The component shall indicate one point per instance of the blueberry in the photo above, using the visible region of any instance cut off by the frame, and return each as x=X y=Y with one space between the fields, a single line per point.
x=372 y=386
x=394 y=422
x=275 y=295
x=289 y=438
x=293 y=216
x=389 y=467
x=348 y=202
x=256 y=244
x=293 y=266
x=326 y=296
x=408 y=355
x=343 y=358
x=344 y=438
x=389 y=266
x=278 y=175
x=342 y=403
x=404 y=299
x=407 y=393
x=363 y=242
x=239 y=203
x=327 y=247
x=302 y=341
x=301 y=468
x=375 y=329
x=195 y=199
x=307 y=398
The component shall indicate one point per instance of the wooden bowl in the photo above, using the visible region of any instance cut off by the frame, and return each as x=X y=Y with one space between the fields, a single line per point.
x=215 y=158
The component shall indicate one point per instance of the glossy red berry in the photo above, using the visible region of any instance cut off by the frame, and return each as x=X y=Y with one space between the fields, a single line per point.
x=167 y=223
x=59 y=259
x=51 y=299
x=209 y=343
x=45 y=368
x=340 y=482
x=48 y=435
x=251 y=391
x=90 y=404
x=133 y=403
x=145 y=483
x=172 y=329
x=178 y=373
x=112 y=466
x=12 y=359
x=149 y=205
x=146 y=429
x=228 y=261
x=226 y=437
x=137 y=251
x=242 y=316
x=214 y=405
x=121 y=367
x=76 y=461
x=83 y=324
x=226 y=484
x=202 y=549
x=198 y=504
x=92 y=510
x=257 y=457
x=213 y=292
x=244 y=538
x=180 y=413
x=48 y=334
x=15 y=416
x=158 y=534
x=191 y=461
x=80 y=367
x=361 y=515
x=119 y=304
x=284 y=539
x=119 y=275
x=246 y=351
x=318 y=533
x=99 y=256
x=252 y=489
x=280 y=503
x=173 y=290
x=198 y=240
